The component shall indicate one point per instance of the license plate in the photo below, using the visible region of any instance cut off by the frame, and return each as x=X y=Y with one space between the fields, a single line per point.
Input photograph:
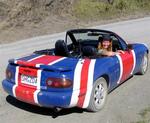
x=29 y=80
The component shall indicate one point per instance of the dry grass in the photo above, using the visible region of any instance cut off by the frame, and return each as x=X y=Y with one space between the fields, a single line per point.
x=95 y=10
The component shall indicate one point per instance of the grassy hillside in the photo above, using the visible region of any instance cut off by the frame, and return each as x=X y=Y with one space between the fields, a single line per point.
x=20 y=12
x=20 y=19
x=96 y=9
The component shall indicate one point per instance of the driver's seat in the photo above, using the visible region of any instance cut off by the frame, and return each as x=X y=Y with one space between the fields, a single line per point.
x=61 y=49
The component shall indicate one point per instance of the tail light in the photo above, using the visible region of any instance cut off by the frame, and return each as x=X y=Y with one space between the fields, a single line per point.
x=58 y=82
x=8 y=74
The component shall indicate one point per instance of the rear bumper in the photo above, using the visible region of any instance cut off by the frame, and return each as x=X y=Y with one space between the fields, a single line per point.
x=42 y=98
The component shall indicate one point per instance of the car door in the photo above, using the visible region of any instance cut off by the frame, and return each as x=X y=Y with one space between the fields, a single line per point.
x=126 y=59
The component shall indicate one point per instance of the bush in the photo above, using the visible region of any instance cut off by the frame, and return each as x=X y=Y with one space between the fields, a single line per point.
x=121 y=4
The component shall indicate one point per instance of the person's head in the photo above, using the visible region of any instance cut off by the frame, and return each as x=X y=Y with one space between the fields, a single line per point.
x=106 y=43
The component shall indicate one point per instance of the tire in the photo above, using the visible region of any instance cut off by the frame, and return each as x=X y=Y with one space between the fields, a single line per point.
x=144 y=65
x=98 y=95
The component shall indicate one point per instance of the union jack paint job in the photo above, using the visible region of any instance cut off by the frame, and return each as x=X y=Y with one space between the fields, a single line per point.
x=83 y=72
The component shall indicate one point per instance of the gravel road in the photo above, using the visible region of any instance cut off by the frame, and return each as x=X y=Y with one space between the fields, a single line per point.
x=123 y=104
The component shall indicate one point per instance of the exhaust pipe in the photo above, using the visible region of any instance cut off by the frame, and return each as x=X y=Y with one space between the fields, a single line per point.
x=57 y=109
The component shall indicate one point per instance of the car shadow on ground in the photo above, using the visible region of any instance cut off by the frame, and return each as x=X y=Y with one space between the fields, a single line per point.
x=41 y=110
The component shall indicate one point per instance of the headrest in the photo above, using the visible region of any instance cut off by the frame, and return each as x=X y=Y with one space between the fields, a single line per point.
x=100 y=39
x=89 y=51
x=61 y=48
x=59 y=42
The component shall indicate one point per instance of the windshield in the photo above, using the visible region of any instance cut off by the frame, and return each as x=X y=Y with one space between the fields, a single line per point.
x=88 y=36
x=85 y=36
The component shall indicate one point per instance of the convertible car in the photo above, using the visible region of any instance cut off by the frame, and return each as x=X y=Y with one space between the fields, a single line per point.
x=72 y=74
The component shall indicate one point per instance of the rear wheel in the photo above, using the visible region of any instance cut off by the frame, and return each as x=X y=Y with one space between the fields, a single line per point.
x=98 y=96
x=144 y=64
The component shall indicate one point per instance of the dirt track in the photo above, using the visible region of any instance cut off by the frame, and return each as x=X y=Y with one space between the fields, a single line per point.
x=123 y=104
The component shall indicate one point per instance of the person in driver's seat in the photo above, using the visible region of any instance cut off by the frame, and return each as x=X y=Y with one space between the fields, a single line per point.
x=105 y=46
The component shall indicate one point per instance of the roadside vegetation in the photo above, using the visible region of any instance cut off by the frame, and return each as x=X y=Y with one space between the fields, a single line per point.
x=145 y=116
x=21 y=12
x=21 y=19
x=101 y=9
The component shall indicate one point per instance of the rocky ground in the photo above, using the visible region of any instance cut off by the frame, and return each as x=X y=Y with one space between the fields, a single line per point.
x=20 y=19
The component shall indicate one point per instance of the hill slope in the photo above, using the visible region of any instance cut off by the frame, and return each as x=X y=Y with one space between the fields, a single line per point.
x=20 y=19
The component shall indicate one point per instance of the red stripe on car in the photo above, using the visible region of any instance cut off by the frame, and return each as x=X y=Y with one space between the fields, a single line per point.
x=45 y=59
x=127 y=62
x=84 y=80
